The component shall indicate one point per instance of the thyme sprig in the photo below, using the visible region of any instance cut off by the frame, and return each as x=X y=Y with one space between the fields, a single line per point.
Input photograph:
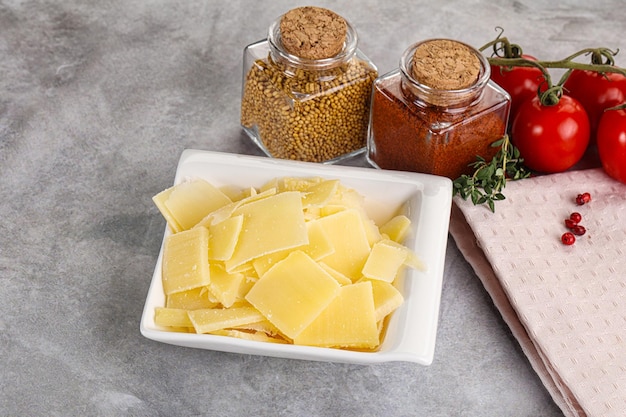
x=485 y=185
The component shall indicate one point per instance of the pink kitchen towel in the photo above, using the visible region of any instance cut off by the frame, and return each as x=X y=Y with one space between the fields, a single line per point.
x=566 y=305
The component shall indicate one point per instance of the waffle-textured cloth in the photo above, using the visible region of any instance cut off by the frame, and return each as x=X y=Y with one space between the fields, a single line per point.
x=566 y=305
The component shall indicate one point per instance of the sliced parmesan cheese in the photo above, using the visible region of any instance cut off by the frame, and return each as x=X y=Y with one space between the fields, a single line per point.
x=387 y=298
x=347 y=235
x=159 y=201
x=210 y=320
x=297 y=184
x=397 y=228
x=339 y=277
x=296 y=261
x=293 y=292
x=227 y=210
x=412 y=259
x=223 y=238
x=255 y=336
x=319 y=194
x=193 y=299
x=189 y=202
x=269 y=225
x=186 y=260
x=384 y=261
x=349 y=321
x=171 y=317
x=318 y=247
x=224 y=286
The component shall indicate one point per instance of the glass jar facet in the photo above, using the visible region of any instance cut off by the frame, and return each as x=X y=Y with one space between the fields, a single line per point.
x=307 y=110
x=417 y=128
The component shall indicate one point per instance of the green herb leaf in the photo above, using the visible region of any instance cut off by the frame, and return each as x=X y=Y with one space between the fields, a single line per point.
x=485 y=185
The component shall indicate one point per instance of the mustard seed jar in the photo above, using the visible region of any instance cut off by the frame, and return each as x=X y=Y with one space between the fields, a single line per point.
x=303 y=108
x=436 y=128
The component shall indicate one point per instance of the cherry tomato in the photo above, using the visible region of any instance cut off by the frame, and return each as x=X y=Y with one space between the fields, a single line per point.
x=612 y=143
x=551 y=138
x=596 y=92
x=520 y=82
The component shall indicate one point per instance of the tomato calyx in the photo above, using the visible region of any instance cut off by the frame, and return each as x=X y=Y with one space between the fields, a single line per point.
x=551 y=96
x=601 y=56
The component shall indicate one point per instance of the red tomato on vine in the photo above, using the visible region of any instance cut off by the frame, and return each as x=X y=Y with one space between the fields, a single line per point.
x=520 y=82
x=611 y=139
x=551 y=138
x=596 y=92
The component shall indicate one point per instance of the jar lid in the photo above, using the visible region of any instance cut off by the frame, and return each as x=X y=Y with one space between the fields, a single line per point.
x=278 y=43
x=445 y=72
x=312 y=32
x=445 y=64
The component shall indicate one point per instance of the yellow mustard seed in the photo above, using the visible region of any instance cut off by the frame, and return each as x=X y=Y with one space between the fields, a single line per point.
x=308 y=115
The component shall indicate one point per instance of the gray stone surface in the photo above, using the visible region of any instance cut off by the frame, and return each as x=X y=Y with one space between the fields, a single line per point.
x=97 y=101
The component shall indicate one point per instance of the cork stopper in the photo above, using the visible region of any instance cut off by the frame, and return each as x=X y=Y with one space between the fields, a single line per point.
x=312 y=32
x=445 y=65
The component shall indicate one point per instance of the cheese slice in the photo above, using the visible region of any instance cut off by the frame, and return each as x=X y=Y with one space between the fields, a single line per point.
x=159 y=201
x=293 y=292
x=255 y=336
x=223 y=238
x=384 y=261
x=263 y=263
x=347 y=235
x=339 y=277
x=253 y=196
x=171 y=317
x=348 y=198
x=412 y=259
x=193 y=299
x=224 y=286
x=387 y=298
x=247 y=284
x=318 y=247
x=371 y=229
x=227 y=210
x=210 y=320
x=319 y=194
x=269 y=225
x=262 y=326
x=189 y=202
x=298 y=184
x=397 y=228
x=349 y=321
x=186 y=260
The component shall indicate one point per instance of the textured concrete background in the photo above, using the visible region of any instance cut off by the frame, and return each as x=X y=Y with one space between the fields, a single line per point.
x=97 y=101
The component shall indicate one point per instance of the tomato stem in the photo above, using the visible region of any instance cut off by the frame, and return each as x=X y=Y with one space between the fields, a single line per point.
x=508 y=55
x=563 y=64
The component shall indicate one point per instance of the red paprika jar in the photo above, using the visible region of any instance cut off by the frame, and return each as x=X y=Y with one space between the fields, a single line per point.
x=419 y=128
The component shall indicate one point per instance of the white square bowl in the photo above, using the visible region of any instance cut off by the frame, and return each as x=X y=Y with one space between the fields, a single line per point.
x=425 y=199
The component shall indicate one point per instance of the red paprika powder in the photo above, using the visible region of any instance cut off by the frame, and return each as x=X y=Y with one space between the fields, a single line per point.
x=436 y=128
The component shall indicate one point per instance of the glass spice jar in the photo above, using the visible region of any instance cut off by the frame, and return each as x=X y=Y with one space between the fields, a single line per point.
x=419 y=128
x=306 y=109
